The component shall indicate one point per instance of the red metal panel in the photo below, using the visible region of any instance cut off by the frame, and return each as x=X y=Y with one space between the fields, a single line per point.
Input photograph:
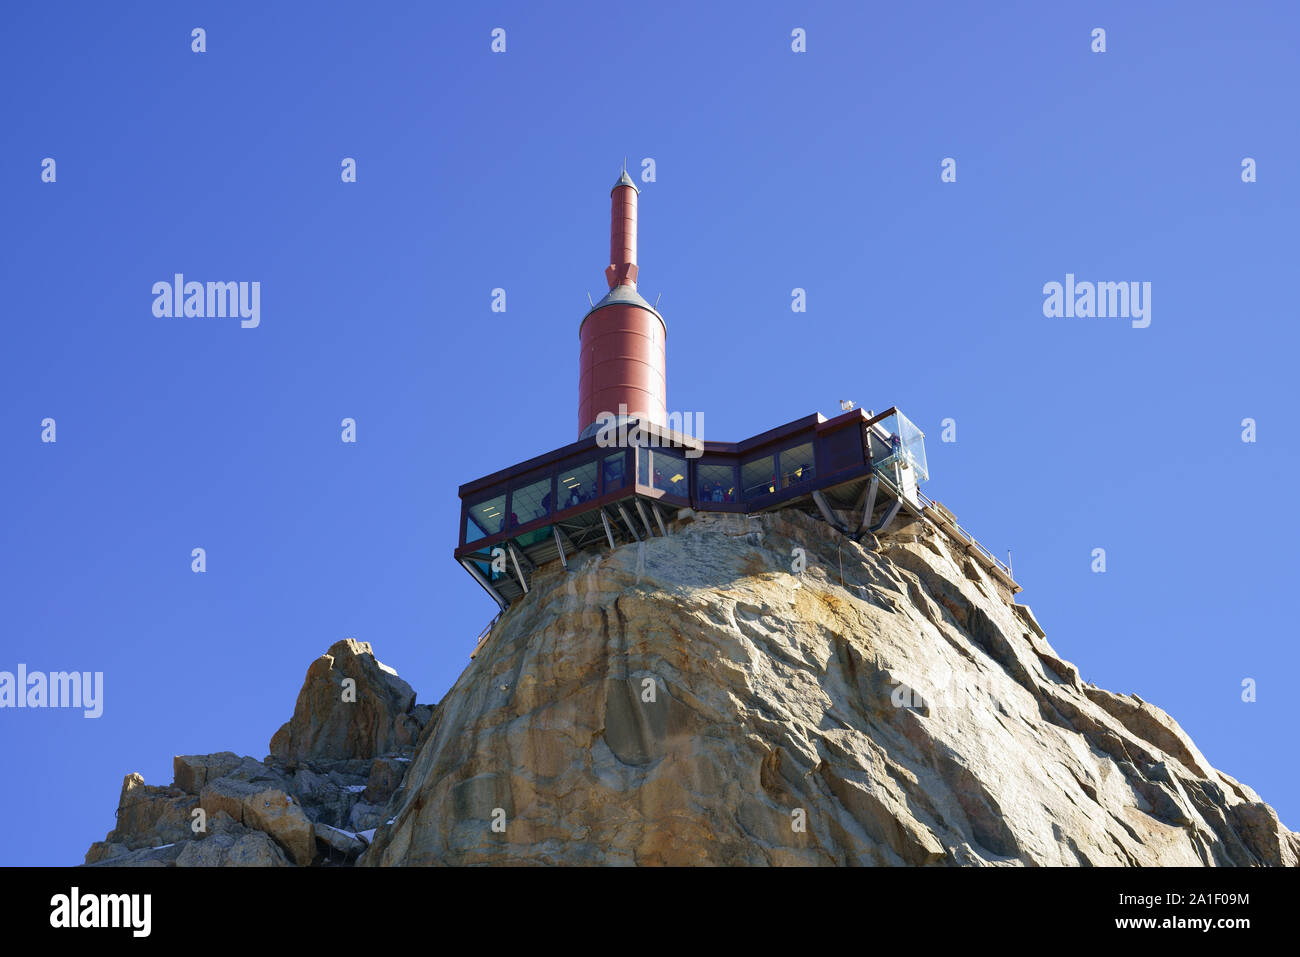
x=622 y=362
x=622 y=234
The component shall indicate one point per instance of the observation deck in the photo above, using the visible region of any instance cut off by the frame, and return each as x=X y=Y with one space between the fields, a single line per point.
x=857 y=471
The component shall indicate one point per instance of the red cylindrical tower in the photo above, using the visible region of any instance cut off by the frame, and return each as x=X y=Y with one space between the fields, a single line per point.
x=622 y=339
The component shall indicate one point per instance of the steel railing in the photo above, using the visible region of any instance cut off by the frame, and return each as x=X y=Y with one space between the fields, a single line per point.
x=483 y=636
x=929 y=503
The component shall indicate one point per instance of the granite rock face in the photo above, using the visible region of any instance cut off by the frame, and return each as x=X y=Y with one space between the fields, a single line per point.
x=314 y=801
x=150 y=816
x=693 y=699
x=350 y=706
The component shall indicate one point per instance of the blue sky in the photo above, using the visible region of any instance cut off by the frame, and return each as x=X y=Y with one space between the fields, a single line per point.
x=775 y=170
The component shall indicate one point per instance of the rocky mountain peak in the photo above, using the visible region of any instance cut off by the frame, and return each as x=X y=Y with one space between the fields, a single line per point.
x=697 y=699
x=743 y=690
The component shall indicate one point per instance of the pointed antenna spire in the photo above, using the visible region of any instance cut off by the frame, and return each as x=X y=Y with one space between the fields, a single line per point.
x=625 y=180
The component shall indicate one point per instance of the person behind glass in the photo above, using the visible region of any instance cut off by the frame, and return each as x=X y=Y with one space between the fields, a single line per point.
x=613 y=476
x=575 y=496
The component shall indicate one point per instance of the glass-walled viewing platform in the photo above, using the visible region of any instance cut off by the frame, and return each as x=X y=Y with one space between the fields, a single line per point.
x=590 y=493
x=897 y=450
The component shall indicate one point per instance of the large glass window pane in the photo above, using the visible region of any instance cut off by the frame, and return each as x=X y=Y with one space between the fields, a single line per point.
x=896 y=443
x=576 y=484
x=615 y=470
x=913 y=442
x=485 y=518
x=758 y=477
x=797 y=465
x=485 y=568
x=530 y=502
x=670 y=472
x=716 y=483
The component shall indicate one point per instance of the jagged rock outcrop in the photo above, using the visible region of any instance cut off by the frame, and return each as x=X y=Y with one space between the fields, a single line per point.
x=691 y=699
x=269 y=810
x=334 y=722
x=148 y=816
x=315 y=800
